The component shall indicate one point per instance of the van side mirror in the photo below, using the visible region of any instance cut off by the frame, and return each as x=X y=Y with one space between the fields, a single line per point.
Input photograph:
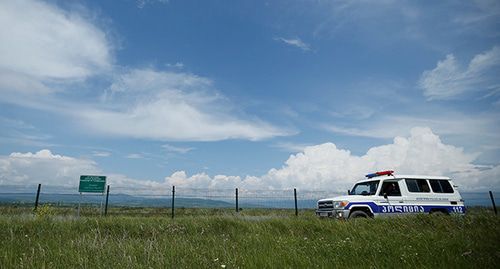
x=385 y=195
x=348 y=192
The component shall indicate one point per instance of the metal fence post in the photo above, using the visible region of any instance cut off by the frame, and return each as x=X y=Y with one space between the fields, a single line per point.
x=295 y=197
x=106 y=206
x=493 y=202
x=237 y=207
x=37 y=196
x=173 y=199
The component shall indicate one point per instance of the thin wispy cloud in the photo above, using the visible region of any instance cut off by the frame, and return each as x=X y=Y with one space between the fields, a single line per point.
x=431 y=24
x=135 y=156
x=294 y=42
x=449 y=79
x=291 y=147
x=169 y=106
x=142 y=3
x=178 y=65
x=19 y=132
x=101 y=153
x=354 y=112
x=174 y=149
x=40 y=69
x=400 y=125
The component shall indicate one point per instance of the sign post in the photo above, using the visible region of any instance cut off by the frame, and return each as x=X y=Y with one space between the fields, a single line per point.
x=92 y=184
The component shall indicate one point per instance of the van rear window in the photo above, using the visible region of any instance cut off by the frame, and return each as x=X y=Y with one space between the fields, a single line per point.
x=441 y=186
x=417 y=185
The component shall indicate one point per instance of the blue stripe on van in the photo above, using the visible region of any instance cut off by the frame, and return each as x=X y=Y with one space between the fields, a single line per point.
x=406 y=208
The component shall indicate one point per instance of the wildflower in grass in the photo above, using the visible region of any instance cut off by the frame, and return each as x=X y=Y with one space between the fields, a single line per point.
x=467 y=253
x=223 y=266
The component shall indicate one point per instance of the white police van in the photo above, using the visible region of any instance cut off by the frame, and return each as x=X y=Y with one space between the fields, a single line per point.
x=386 y=194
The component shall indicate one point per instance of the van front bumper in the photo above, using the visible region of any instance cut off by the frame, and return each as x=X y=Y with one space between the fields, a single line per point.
x=334 y=213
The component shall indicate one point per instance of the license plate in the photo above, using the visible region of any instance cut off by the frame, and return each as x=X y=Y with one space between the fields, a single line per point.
x=323 y=214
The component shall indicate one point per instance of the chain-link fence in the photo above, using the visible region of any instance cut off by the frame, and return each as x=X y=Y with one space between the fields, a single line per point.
x=164 y=201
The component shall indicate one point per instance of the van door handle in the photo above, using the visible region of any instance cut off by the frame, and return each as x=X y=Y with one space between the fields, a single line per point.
x=401 y=201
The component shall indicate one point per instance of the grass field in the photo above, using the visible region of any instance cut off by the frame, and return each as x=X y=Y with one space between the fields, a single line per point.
x=251 y=239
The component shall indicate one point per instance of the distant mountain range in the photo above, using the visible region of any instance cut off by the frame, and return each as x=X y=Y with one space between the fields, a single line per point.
x=130 y=200
x=114 y=200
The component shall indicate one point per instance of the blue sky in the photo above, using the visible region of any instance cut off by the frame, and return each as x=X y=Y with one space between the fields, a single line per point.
x=250 y=93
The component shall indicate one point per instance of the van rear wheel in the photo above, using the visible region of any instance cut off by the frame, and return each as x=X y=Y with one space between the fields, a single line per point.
x=358 y=214
x=438 y=212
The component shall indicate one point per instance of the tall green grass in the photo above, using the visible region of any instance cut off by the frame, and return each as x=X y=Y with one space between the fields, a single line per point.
x=249 y=241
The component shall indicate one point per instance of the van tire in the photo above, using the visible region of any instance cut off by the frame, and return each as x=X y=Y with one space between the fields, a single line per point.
x=438 y=212
x=358 y=214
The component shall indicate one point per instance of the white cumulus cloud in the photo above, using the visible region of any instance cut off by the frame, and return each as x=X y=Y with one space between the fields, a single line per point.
x=62 y=173
x=42 y=43
x=319 y=167
x=43 y=167
x=325 y=166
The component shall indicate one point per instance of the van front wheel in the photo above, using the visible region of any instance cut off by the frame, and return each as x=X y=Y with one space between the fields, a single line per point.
x=358 y=214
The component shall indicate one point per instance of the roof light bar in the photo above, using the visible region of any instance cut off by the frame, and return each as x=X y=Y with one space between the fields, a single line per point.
x=381 y=173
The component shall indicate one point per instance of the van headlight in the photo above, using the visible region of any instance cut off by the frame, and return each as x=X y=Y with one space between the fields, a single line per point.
x=340 y=204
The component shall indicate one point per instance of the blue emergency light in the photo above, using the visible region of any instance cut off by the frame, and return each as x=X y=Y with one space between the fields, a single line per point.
x=381 y=173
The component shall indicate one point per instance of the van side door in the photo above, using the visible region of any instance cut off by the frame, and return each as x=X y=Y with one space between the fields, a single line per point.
x=390 y=198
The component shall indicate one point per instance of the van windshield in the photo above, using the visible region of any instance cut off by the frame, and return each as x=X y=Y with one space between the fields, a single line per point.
x=365 y=188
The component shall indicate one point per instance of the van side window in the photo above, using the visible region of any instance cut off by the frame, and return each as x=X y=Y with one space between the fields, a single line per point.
x=417 y=185
x=390 y=188
x=441 y=186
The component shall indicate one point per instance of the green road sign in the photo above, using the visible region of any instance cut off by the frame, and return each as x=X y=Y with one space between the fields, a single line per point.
x=92 y=184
